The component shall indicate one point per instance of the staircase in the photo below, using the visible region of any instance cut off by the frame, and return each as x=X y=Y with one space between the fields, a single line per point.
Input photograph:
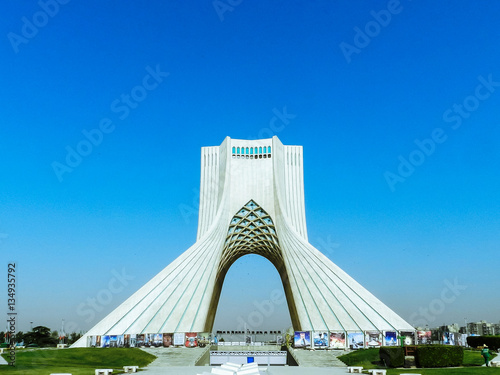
x=318 y=358
x=167 y=357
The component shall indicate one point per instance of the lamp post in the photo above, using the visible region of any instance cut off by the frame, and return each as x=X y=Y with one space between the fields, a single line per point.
x=62 y=334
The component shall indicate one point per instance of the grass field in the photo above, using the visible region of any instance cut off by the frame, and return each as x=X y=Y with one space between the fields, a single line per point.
x=447 y=371
x=473 y=358
x=367 y=358
x=370 y=359
x=85 y=361
x=75 y=361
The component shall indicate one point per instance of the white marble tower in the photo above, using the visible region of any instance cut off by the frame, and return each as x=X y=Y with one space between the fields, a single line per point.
x=251 y=202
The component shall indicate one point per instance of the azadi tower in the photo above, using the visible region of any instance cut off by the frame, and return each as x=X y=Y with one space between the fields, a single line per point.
x=251 y=202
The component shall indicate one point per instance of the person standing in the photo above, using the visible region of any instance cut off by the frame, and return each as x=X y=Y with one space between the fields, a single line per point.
x=485 y=353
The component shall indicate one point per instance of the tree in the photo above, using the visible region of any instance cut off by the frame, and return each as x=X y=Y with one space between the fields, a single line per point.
x=41 y=336
x=73 y=337
x=20 y=336
x=54 y=335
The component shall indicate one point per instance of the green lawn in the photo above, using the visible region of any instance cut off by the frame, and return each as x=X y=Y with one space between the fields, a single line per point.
x=447 y=371
x=369 y=359
x=75 y=361
x=473 y=358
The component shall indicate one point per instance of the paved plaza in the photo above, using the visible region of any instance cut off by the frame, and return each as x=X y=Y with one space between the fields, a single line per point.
x=181 y=361
x=274 y=370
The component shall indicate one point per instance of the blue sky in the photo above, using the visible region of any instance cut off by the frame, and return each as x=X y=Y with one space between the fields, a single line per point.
x=364 y=83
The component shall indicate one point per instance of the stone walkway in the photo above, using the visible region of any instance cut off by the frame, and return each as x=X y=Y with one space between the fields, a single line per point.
x=273 y=370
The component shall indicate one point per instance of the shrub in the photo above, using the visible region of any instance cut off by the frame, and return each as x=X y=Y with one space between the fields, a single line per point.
x=439 y=356
x=493 y=342
x=392 y=356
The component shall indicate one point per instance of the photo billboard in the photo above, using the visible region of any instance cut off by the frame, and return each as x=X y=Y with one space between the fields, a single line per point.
x=337 y=340
x=167 y=339
x=390 y=338
x=448 y=338
x=424 y=337
x=179 y=338
x=301 y=339
x=320 y=339
x=373 y=339
x=104 y=341
x=409 y=337
x=355 y=340
x=140 y=340
x=191 y=339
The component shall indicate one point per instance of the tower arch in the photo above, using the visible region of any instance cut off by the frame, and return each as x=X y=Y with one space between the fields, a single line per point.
x=251 y=231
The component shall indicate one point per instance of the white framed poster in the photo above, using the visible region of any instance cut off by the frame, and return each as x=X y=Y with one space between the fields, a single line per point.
x=179 y=338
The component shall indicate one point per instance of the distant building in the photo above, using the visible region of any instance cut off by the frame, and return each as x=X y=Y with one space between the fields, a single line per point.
x=483 y=328
x=453 y=328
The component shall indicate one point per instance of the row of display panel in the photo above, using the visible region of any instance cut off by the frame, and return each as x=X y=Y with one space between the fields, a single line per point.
x=371 y=339
x=301 y=339
x=187 y=339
